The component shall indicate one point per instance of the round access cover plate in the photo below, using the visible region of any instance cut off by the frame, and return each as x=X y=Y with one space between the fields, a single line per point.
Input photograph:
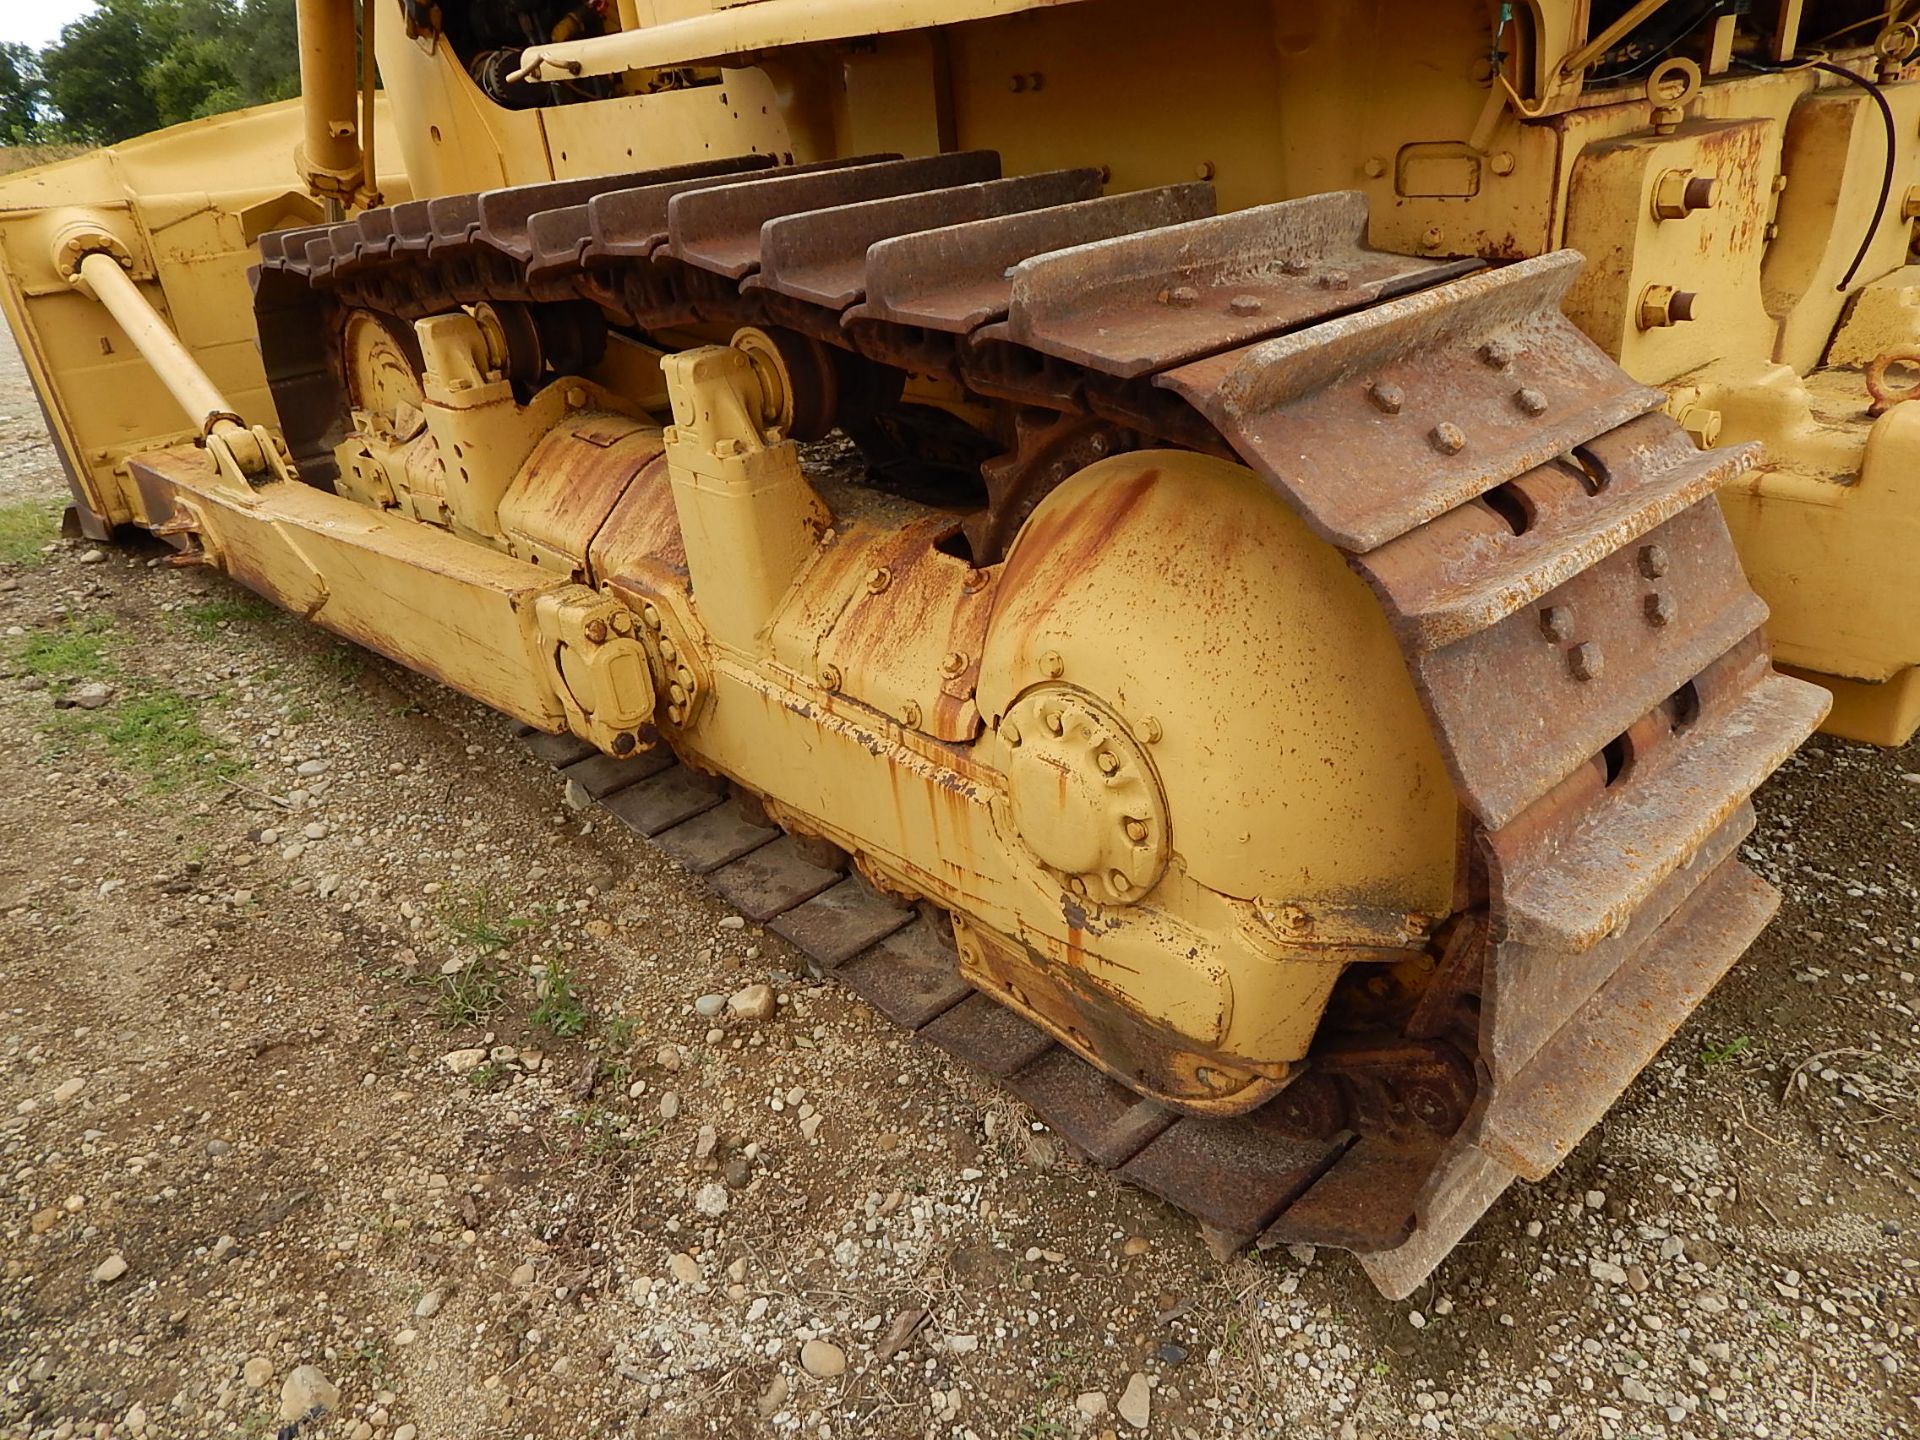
x=1082 y=796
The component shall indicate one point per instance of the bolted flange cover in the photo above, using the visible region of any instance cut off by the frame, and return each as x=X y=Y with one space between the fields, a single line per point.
x=1082 y=797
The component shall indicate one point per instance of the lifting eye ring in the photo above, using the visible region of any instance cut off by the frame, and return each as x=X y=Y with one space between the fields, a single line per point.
x=1660 y=91
x=1885 y=399
x=1897 y=42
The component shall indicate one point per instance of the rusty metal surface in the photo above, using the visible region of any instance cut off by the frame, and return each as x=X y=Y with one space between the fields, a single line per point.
x=559 y=751
x=667 y=799
x=821 y=255
x=631 y=224
x=1457 y=1193
x=1235 y=1175
x=910 y=977
x=839 y=923
x=1599 y=872
x=1590 y=657
x=1534 y=1122
x=1133 y=304
x=1471 y=567
x=714 y=838
x=1364 y=1202
x=452 y=222
x=986 y=1036
x=1090 y=1110
x=773 y=878
x=955 y=279
x=503 y=215
x=555 y=242
x=718 y=228
x=603 y=775
x=1529 y=992
x=1342 y=417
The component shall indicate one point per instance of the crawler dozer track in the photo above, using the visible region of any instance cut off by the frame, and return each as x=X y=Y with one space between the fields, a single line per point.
x=1542 y=540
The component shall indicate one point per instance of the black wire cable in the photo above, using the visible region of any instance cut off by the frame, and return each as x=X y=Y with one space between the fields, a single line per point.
x=1893 y=145
x=1635 y=68
x=1886 y=177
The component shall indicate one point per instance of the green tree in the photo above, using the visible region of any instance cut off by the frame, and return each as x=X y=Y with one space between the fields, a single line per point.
x=23 y=94
x=96 y=73
x=136 y=65
x=266 y=53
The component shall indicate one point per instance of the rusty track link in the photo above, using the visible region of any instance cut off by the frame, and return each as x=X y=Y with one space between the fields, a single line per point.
x=1542 y=541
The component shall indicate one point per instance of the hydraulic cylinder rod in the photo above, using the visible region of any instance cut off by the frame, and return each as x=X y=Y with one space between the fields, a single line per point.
x=158 y=345
x=99 y=271
x=330 y=157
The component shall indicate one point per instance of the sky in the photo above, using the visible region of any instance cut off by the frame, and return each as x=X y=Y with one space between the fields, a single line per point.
x=37 y=22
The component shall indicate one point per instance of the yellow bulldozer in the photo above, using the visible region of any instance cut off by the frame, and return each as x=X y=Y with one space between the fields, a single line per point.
x=1270 y=654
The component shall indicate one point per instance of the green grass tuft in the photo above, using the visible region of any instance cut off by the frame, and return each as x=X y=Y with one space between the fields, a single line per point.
x=158 y=736
x=1712 y=1055
x=561 y=1011
x=482 y=920
x=469 y=995
x=207 y=618
x=77 y=651
x=25 y=526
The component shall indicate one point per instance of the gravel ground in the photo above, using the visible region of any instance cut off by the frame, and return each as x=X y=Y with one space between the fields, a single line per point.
x=341 y=1065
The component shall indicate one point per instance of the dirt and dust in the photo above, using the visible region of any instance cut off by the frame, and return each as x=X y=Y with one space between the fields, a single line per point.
x=346 y=1074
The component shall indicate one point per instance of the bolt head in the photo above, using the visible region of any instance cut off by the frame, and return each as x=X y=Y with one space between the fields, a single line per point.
x=1053 y=664
x=596 y=630
x=1654 y=561
x=1448 y=438
x=1246 y=305
x=1660 y=610
x=1108 y=762
x=910 y=712
x=1181 y=297
x=1702 y=193
x=1585 y=661
x=1334 y=280
x=1295 y=265
x=878 y=579
x=1387 y=398
x=1499 y=352
x=1556 y=623
x=1120 y=881
x=1137 y=831
x=1010 y=732
x=1530 y=401
x=952 y=663
x=829 y=677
